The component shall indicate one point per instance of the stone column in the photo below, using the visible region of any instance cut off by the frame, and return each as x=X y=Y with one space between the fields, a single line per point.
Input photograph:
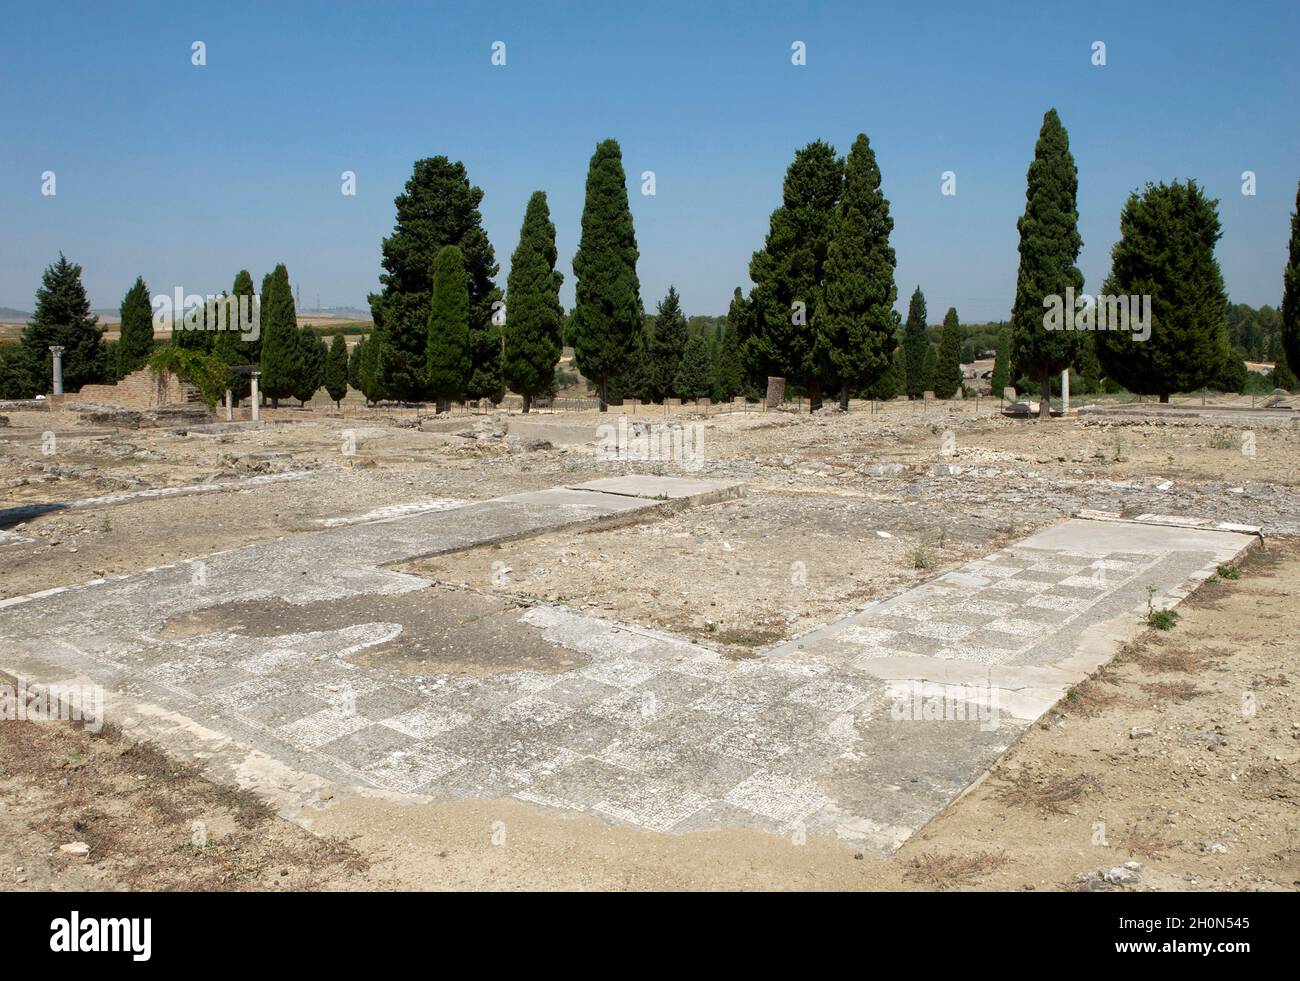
x=57 y=351
x=1065 y=391
x=256 y=397
x=775 y=391
x=230 y=407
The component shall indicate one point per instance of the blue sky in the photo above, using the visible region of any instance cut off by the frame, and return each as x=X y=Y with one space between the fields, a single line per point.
x=185 y=174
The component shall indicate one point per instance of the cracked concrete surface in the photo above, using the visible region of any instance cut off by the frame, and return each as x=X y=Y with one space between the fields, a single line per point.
x=305 y=661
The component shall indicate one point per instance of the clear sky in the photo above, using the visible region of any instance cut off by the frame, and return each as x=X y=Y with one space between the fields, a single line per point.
x=185 y=174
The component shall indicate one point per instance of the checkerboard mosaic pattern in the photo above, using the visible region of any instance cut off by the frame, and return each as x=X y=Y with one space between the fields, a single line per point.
x=993 y=610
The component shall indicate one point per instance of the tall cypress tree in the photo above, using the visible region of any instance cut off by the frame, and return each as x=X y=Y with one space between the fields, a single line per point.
x=438 y=207
x=336 y=369
x=729 y=374
x=948 y=363
x=281 y=362
x=607 y=315
x=447 y=342
x=1049 y=247
x=136 y=339
x=789 y=271
x=250 y=350
x=63 y=317
x=534 y=316
x=667 y=347
x=855 y=333
x=1166 y=249
x=1291 y=291
x=915 y=346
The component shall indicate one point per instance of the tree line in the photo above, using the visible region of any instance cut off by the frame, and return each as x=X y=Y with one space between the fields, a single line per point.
x=819 y=311
x=293 y=360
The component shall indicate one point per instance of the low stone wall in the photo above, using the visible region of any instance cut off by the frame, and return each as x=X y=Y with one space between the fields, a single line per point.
x=139 y=390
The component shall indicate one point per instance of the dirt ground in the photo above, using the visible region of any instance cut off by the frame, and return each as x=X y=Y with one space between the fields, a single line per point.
x=839 y=510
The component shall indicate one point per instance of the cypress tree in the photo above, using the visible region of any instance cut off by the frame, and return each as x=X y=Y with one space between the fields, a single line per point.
x=607 y=315
x=694 y=376
x=667 y=346
x=368 y=371
x=281 y=362
x=930 y=367
x=1049 y=247
x=729 y=377
x=354 y=364
x=312 y=355
x=789 y=271
x=336 y=369
x=1291 y=291
x=947 y=378
x=229 y=346
x=62 y=316
x=438 y=207
x=1166 y=250
x=135 y=342
x=447 y=345
x=250 y=350
x=855 y=335
x=1002 y=362
x=534 y=316
x=915 y=346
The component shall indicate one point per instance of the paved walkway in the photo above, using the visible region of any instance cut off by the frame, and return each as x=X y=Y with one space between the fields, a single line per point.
x=863 y=729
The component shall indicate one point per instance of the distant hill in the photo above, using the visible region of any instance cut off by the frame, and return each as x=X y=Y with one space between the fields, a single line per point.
x=337 y=313
x=8 y=315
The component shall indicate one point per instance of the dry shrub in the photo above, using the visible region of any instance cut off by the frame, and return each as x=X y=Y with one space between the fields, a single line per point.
x=1175 y=691
x=943 y=871
x=1088 y=698
x=1048 y=795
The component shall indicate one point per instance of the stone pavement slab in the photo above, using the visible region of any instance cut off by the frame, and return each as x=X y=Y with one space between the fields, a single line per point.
x=293 y=664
